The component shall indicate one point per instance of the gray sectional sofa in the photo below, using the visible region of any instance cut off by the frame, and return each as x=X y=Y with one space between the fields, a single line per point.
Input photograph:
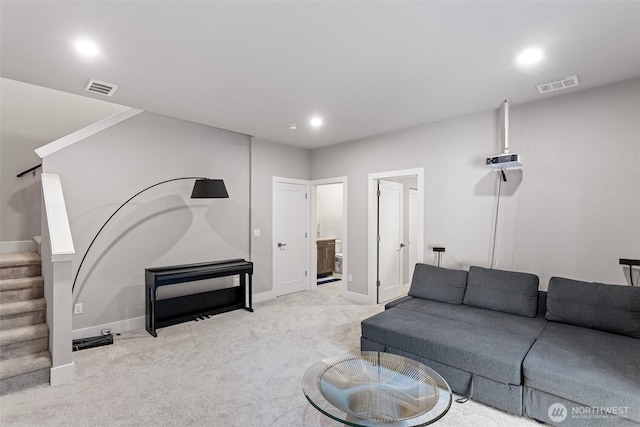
x=568 y=356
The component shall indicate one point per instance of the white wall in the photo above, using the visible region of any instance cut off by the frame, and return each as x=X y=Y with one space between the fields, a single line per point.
x=269 y=159
x=330 y=211
x=572 y=217
x=432 y=147
x=162 y=226
x=577 y=211
x=30 y=117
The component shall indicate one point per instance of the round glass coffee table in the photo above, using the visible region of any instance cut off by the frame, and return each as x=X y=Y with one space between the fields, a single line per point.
x=375 y=389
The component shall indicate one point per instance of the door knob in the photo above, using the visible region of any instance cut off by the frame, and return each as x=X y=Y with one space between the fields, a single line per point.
x=282 y=245
x=402 y=245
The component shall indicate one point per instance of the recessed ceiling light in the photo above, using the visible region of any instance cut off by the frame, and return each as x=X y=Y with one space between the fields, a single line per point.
x=292 y=126
x=316 y=122
x=86 y=48
x=530 y=57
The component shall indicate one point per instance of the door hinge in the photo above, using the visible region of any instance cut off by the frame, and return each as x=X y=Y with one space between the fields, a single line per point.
x=378 y=283
x=305 y=196
x=379 y=193
x=305 y=273
x=378 y=238
x=305 y=235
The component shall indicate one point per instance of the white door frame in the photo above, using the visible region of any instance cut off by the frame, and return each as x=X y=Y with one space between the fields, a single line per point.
x=373 y=222
x=277 y=179
x=413 y=235
x=314 y=220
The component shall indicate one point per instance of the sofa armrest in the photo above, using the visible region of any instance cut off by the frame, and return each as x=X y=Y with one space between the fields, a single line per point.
x=395 y=302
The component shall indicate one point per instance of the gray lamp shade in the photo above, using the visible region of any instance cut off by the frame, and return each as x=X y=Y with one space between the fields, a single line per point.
x=209 y=189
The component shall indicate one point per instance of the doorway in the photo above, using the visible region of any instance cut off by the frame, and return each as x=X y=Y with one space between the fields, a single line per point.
x=396 y=231
x=329 y=222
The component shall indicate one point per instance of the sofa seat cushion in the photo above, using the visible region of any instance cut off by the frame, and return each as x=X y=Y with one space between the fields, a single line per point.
x=587 y=366
x=506 y=291
x=528 y=326
x=485 y=351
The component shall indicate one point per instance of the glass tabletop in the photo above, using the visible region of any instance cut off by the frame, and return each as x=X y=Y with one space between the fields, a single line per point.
x=374 y=388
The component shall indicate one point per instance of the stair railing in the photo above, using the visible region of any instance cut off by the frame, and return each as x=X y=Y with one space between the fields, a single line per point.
x=33 y=169
x=57 y=254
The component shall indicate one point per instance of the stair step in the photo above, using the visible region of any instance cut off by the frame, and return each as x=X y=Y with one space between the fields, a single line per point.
x=18 y=307
x=17 y=259
x=25 y=381
x=22 y=313
x=25 y=288
x=25 y=333
x=20 y=264
x=24 y=372
x=24 y=364
x=20 y=283
x=23 y=348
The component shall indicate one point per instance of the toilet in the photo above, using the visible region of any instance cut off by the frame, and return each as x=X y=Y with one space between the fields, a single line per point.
x=337 y=268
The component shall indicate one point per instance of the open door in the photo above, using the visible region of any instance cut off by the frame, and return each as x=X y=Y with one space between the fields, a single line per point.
x=390 y=240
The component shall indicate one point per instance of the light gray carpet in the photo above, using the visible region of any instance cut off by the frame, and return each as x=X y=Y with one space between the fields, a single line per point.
x=234 y=369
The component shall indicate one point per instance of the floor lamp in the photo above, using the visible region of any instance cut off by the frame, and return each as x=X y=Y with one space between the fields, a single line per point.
x=203 y=188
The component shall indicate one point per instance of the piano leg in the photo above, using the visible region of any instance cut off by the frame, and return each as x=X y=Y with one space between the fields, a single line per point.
x=243 y=281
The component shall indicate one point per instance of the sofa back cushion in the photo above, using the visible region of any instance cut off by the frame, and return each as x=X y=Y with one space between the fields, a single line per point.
x=609 y=308
x=438 y=284
x=499 y=290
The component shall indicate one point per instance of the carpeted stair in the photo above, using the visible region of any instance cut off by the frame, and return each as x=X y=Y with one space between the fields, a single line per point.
x=24 y=335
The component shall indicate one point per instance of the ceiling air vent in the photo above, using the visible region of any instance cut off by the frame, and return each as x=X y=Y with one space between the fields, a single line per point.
x=103 y=88
x=565 y=83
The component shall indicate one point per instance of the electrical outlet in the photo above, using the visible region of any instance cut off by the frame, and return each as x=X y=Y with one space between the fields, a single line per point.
x=349 y=278
x=256 y=233
x=77 y=309
x=236 y=281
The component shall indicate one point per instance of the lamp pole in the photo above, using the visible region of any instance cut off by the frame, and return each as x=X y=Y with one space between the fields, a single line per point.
x=117 y=210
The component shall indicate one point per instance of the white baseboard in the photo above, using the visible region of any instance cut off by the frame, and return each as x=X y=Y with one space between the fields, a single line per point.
x=356 y=297
x=263 y=296
x=140 y=322
x=38 y=242
x=17 y=246
x=64 y=374
x=115 y=327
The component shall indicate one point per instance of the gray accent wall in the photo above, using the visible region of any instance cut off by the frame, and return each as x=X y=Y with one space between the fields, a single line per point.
x=571 y=211
x=160 y=227
x=269 y=159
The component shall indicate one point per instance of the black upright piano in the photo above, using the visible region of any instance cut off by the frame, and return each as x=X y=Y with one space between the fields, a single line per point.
x=171 y=311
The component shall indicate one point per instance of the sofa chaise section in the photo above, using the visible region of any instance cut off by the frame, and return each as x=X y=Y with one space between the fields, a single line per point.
x=588 y=357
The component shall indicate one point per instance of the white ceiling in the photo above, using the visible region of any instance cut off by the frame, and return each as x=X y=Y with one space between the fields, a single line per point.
x=366 y=67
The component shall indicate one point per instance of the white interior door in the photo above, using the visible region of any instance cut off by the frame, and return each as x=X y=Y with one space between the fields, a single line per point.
x=290 y=243
x=413 y=232
x=390 y=235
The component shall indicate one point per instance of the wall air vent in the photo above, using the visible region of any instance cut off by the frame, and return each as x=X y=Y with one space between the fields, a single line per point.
x=567 y=82
x=103 y=88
